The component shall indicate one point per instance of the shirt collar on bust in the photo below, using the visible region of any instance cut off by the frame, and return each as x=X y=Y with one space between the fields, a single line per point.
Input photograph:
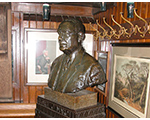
x=75 y=53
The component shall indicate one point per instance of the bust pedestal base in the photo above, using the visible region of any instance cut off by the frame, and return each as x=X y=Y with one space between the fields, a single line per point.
x=78 y=100
x=48 y=109
x=82 y=104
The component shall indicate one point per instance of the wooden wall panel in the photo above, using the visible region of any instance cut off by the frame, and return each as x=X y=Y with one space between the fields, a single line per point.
x=39 y=24
x=25 y=95
x=32 y=98
x=17 y=61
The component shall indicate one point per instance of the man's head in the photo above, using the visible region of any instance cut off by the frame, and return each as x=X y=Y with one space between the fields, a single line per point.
x=45 y=52
x=71 y=35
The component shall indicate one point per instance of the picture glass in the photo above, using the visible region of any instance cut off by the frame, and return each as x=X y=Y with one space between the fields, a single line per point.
x=131 y=78
x=102 y=59
x=43 y=48
x=44 y=56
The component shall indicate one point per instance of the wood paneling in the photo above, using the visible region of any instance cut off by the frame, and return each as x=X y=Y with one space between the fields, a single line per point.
x=28 y=94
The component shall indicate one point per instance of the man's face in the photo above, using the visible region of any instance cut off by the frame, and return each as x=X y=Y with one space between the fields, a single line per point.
x=46 y=53
x=68 y=39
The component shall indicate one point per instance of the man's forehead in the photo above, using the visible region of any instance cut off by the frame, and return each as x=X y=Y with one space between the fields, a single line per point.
x=66 y=25
x=67 y=22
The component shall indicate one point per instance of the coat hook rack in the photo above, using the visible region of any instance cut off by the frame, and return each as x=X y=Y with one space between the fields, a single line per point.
x=121 y=29
x=104 y=33
x=145 y=27
x=97 y=32
x=112 y=32
x=132 y=29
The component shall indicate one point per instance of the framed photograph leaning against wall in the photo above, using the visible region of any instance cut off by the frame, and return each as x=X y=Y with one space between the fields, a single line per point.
x=102 y=58
x=130 y=80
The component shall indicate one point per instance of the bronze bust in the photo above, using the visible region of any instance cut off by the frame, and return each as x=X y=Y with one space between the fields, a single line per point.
x=75 y=69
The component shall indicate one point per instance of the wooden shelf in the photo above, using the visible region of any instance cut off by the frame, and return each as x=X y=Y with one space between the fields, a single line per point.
x=17 y=110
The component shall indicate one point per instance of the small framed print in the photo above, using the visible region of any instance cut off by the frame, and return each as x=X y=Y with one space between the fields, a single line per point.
x=102 y=58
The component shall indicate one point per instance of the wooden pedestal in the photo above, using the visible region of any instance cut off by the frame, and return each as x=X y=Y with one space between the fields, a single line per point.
x=46 y=108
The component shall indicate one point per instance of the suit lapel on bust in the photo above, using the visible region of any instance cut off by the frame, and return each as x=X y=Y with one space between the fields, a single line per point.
x=73 y=69
x=57 y=69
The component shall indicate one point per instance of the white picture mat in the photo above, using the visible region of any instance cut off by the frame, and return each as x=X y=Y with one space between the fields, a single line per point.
x=138 y=113
x=32 y=36
x=138 y=52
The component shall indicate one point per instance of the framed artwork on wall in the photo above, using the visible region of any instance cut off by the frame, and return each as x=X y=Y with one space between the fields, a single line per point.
x=4 y=27
x=41 y=48
x=102 y=58
x=130 y=80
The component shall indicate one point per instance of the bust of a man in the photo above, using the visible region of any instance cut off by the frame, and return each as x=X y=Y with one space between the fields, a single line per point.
x=75 y=69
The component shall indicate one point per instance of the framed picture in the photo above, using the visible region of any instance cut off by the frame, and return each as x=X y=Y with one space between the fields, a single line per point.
x=41 y=48
x=5 y=25
x=88 y=43
x=130 y=80
x=102 y=58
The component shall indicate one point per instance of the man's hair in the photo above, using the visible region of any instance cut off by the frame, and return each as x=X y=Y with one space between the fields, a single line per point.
x=79 y=27
x=44 y=51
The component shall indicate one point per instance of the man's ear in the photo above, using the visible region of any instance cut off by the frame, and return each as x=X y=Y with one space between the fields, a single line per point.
x=81 y=37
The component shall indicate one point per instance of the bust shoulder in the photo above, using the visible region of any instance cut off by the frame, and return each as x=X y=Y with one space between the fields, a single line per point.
x=57 y=60
x=89 y=59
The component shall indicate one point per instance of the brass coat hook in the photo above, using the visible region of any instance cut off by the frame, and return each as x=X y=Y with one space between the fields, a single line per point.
x=121 y=29
x=97 y=32
x=132 y=29
x=146 y=27
x=112 y=32
x=104 y=33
